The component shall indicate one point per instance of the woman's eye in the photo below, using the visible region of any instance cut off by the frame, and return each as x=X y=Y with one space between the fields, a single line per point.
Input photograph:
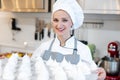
x=55 y=20
x=64 y=20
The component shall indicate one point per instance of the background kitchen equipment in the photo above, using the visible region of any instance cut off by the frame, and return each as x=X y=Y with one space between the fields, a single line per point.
x=14 y=27
x=114 y=48
x=111 y=62
x=39 y=32
x=111 y=65
x=43 y=30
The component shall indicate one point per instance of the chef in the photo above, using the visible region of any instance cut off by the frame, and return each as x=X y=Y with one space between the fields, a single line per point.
x=65 y=50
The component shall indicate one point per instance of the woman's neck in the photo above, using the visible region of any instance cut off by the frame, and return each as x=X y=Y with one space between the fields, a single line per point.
x=63 y=39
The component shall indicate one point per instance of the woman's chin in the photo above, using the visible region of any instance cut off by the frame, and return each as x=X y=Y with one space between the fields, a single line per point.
x=60 y=34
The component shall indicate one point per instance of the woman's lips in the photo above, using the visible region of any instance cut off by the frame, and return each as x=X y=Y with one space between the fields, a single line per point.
x=60 y=29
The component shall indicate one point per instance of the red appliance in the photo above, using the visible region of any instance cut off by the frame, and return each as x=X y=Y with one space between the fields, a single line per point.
x=112 y=78
x=113 y=50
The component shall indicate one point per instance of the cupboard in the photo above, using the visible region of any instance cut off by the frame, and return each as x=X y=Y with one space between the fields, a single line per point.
x=100 y=6
x=25 y=5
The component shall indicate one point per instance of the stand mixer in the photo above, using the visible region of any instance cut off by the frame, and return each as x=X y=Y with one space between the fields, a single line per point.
x=113 y=51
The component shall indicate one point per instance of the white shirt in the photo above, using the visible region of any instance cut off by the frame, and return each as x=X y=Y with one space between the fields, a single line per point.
x=85 y=65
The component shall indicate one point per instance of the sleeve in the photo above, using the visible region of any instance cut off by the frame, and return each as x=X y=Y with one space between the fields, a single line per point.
x=38 y=52
x=89 y=59
x=86 y=57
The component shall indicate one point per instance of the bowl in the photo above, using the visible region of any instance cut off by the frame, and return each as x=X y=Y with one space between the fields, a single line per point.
x=111 y=66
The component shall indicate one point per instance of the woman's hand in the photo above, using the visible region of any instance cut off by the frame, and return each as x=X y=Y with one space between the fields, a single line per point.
x=101 y=73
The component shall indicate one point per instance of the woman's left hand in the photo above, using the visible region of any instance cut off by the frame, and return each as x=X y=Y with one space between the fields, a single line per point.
x=101 y=73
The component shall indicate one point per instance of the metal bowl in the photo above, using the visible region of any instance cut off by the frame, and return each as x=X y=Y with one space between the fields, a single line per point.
x=111 y=65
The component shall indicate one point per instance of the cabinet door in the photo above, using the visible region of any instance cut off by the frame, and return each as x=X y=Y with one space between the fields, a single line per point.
x=21 y=4
x=52 y=2
x=102 y=4
x=0 y=4
x=40 y=4
x=25 y=5
x=7 y=5
x=31 y=4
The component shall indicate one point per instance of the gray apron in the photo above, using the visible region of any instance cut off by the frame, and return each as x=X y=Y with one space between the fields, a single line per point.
x=71 y=58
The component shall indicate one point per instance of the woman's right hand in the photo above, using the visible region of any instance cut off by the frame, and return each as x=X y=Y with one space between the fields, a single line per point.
x=101 y=73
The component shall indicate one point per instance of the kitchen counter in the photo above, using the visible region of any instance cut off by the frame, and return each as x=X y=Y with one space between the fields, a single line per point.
x=14 y=46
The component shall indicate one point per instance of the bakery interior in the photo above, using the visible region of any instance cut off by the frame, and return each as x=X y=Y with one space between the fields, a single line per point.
x=25 y=24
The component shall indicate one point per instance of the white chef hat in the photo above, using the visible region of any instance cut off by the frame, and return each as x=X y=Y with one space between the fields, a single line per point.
x=73 y=9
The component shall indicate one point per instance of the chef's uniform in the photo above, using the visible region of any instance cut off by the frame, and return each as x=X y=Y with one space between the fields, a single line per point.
x=74 y=48
x=74 y=56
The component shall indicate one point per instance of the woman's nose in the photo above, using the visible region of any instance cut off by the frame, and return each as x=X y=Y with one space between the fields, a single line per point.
x=59 y=25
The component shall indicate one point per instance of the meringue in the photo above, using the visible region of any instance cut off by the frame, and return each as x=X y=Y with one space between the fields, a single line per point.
x=0 y=68
x=41 y=70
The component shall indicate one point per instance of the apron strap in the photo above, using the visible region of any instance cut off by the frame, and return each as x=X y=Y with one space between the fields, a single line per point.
x=51 y=44
x=75 y=47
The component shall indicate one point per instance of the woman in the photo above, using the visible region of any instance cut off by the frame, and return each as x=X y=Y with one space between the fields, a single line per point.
x=65 y=18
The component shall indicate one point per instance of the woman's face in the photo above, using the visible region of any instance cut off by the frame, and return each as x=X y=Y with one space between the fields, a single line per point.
x=62 y=23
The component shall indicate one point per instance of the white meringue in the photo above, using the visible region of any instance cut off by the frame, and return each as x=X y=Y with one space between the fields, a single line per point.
x=24 y=76
x=41 y=70
x=0 y=68
x=59 y=73
x=8 y=76
x=26 y=59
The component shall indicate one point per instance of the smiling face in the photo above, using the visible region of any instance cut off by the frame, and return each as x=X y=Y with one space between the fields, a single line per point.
x=62 y=24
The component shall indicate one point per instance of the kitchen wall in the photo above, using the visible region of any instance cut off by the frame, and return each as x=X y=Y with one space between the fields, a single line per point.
x=16 y=39
x=100 y=36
